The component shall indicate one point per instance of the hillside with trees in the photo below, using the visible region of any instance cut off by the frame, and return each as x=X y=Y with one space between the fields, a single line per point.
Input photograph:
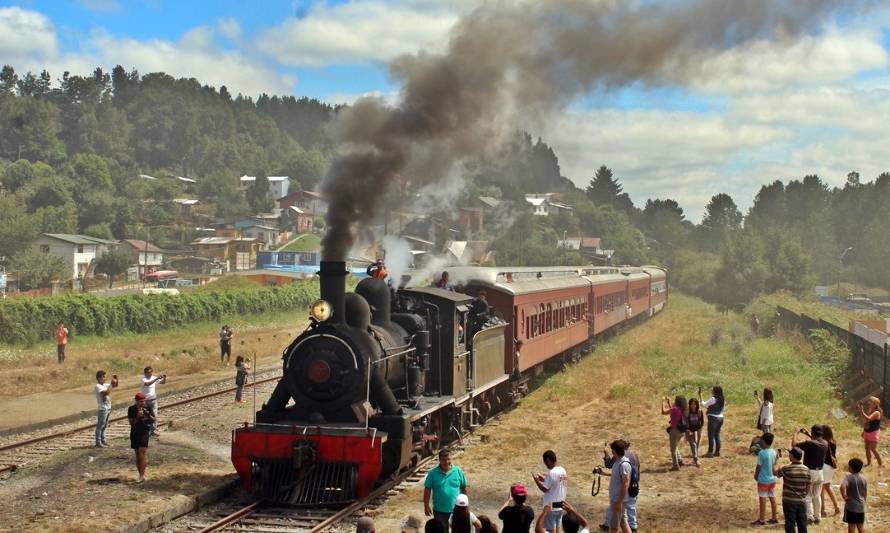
x=99 y=155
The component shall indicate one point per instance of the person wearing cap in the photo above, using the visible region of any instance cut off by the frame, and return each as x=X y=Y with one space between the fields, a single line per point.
x=365 y=525
x=443 y=484
x=795 y=488
x=462 y=520
x=411 y=524
x=516 y=516
x=140 y=418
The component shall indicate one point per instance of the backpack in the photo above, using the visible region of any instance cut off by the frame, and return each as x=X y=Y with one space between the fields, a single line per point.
x=633 y=489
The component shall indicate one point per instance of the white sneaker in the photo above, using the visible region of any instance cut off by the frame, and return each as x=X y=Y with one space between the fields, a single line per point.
x=141 y=479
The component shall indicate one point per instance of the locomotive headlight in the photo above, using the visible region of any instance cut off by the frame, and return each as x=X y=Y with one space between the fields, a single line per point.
x=321 y=311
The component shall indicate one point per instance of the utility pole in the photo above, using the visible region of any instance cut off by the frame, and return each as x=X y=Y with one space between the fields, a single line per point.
x=840 y=267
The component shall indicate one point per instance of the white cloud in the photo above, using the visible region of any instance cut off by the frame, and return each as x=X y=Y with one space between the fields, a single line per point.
x=25 y=34
x=28 y=41
x=390 y=98
x=811 y=60
x=360 y=31
x=229 y=28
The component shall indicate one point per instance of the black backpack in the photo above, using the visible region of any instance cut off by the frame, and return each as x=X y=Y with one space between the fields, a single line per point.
x=633 y=489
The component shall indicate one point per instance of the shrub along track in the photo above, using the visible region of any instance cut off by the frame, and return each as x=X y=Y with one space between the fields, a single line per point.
x=27 y=448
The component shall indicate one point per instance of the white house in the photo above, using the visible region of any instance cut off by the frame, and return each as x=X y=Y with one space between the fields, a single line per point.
x=78 y=251
x=545 y=205
x=279 y=186
x=145 y=256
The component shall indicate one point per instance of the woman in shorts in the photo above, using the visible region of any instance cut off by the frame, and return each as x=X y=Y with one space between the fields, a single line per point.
x=871 y=434
x=828 y=470
x=140 y=418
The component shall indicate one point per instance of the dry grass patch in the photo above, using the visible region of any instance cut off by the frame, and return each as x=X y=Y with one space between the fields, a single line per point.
x=615 y=392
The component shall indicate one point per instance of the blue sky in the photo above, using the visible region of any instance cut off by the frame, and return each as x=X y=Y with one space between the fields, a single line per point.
x=763 y=112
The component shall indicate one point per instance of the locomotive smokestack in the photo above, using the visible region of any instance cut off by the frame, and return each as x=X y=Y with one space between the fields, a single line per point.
x=332 y=278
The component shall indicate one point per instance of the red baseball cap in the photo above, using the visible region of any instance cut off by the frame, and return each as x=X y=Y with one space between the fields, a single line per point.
x=140 y=395
x=518 y=490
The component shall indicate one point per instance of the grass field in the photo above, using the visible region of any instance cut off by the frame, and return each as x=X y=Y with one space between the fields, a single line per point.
x=308 y=242
x=187 y=350
x=615 y=392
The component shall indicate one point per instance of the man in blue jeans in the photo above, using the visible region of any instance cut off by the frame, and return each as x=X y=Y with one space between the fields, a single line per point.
x=103 y=400
x=444 y=483
x=630 y=504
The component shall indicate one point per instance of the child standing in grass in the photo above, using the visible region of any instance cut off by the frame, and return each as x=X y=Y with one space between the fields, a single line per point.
x=766 y=480
x=854 y=490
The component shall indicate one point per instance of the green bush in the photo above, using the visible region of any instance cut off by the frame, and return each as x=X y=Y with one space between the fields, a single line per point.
x=27 y=320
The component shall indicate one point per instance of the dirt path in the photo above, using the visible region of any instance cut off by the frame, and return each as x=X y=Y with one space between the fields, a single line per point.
x=615 y=393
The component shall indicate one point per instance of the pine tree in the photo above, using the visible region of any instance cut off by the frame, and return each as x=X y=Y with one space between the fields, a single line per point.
x=604 y=188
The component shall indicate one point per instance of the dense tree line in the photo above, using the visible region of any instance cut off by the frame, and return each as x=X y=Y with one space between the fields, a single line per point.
x=72 y=152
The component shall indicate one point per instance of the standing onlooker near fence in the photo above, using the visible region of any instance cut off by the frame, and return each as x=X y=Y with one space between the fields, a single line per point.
x=225 y=344
x=241 y=369
x=715 y=406
x=828 y=470
x=677 y=427
x=871 y=433
x=103 y=399
x=151 y=398
x=814 y=452
x=854 y=490
x=765 y=413
x=61 y=341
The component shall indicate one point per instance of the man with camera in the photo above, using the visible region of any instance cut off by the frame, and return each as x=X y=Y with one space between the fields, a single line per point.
x=103 y=399
x=815 y=450
x=151 y=398
x=554 y=485
x=141 y=419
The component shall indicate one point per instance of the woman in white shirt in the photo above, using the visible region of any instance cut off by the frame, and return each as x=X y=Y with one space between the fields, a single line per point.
x=715 y=406
x=765 y=415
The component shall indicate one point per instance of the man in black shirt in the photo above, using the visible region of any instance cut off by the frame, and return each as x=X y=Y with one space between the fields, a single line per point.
x=141 y=419
x=516 y=516
x=815 y=451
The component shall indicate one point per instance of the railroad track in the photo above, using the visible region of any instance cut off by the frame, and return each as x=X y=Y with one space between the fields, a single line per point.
x=23 y=449
x=264 y=517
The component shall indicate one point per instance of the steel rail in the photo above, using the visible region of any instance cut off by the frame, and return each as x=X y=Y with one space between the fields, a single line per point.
x=339 y=516
x=237 y=515
x=69 y=432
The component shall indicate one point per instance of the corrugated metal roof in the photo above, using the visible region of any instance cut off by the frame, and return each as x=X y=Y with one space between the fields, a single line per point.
x=142 y=246
x=79 y=239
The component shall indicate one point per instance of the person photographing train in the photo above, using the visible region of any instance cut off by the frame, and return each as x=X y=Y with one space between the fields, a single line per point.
x=141 y=419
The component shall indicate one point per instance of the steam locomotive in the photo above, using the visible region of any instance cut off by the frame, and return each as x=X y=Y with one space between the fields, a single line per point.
x=382 y=378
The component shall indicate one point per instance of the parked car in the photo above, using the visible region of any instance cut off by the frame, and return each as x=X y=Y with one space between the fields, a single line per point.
x=859 y=297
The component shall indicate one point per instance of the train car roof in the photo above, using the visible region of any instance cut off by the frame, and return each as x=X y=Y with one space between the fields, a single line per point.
x=519 y=280
x=656 y=272
x=600 y=279
x=456 y=297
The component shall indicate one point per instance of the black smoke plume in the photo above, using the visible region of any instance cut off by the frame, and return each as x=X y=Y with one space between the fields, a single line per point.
x=514 y=62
